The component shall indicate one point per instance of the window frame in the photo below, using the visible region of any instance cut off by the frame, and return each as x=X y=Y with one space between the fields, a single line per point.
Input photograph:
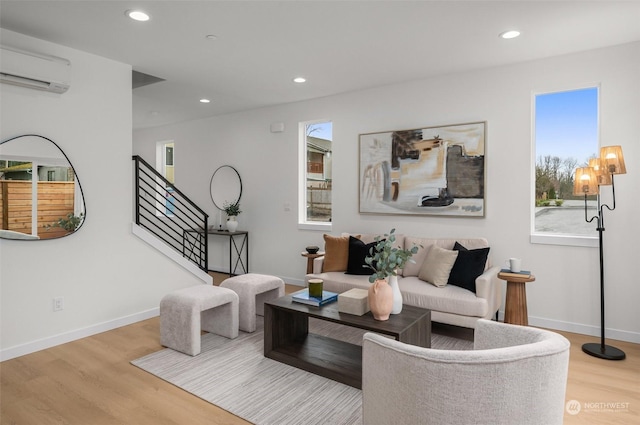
x=303 y=223
x=556 y=238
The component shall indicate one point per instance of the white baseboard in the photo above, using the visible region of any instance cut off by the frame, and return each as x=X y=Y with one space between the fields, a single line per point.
x=63 y=338
x=580 y=328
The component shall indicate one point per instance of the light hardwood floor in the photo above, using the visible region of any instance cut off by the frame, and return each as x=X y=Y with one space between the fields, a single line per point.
x=91 y=382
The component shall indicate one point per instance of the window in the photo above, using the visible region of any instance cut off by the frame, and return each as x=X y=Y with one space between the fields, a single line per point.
x=165 y=166
x=315 y=175
x=566 y=137
x=168 y=149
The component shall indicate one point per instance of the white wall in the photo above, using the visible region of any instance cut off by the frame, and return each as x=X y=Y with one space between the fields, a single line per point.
x=565 y=294
x=107 y=276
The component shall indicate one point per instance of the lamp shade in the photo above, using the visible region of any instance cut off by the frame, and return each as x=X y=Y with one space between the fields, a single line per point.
x=604 y=178
x=613 y=159
x=585 y=182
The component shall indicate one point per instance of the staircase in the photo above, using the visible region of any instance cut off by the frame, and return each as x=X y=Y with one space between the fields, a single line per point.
x=170 y=216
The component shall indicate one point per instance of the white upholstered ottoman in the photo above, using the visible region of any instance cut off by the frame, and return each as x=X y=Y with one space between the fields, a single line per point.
x=185 y=312
x=253 y=289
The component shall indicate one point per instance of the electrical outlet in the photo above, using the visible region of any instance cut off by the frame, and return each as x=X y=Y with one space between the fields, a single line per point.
x=58 y=303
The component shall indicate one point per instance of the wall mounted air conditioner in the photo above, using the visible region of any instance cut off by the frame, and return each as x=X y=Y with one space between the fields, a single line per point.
x=34 y=70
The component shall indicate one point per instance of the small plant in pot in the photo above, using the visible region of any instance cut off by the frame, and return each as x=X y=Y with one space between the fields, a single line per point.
x=385 y=259
x=232 y=210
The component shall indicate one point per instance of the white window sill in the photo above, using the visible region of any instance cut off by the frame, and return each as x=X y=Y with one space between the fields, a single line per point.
x=567 y=240
x=321 y=227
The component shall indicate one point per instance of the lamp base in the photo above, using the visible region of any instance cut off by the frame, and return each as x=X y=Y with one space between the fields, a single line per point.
x=608 y=353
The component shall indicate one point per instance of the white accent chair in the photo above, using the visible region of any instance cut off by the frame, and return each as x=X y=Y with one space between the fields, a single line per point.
x=514 y=375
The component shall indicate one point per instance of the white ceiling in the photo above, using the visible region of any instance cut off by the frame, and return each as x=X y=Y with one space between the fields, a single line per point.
x=339 y=46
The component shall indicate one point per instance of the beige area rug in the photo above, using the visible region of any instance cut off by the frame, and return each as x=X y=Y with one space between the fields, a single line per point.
x=234 y=375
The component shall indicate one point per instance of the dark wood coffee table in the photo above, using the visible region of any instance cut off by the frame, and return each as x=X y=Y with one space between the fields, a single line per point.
x=287 y=338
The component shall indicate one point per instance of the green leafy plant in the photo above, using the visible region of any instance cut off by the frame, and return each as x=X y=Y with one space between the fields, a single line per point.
x=232 y=209
x=559 y=202
x=70 y=224
x=385 y=258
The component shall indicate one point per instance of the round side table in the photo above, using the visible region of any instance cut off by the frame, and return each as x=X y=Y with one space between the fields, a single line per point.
x=515 y=310
x=310 y=258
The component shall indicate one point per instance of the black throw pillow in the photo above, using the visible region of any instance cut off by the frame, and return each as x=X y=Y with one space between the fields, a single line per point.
x=468 y=266
x=358 y=250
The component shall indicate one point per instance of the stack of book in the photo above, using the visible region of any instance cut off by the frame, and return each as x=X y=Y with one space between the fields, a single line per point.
x=303 y=297
x=521 y=273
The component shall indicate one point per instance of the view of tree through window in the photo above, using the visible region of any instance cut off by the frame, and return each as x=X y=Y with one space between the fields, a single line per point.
x=318 y=183
x=566 y=137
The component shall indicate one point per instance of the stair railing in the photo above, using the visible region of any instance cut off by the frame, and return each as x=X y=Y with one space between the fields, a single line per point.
x=163 y=210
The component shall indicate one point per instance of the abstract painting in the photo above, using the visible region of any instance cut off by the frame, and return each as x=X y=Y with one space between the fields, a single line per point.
x=426 y=171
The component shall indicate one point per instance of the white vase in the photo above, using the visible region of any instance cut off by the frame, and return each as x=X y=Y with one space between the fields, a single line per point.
x=397 y=295
x=232 y=223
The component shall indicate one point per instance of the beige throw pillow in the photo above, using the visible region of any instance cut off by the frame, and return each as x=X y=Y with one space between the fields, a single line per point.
x=437 y=266
x=336 y=253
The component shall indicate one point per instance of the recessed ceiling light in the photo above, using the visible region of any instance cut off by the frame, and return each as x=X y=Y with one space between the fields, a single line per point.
x=299 y=80
x=510 y=34
x=204 y=100
x=211 y=37
x=137 y=15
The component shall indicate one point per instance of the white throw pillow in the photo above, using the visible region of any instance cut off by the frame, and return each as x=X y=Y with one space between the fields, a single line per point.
x=437 y=266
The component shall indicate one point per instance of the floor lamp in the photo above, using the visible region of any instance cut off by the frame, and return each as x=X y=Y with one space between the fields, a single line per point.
x=588 y=181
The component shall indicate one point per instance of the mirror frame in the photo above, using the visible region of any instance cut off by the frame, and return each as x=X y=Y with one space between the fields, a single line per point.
x=221 y=207
x=76 y=179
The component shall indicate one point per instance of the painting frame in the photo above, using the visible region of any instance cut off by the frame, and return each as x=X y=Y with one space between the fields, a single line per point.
x=432 y=171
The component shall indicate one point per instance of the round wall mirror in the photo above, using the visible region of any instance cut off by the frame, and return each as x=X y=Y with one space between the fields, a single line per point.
x=40 y=194
x=225 y=186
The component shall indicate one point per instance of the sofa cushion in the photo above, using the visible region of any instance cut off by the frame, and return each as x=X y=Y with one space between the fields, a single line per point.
x=424 y=245
x=437 y=266
x=336 y=253
x=448 y=299
x=412 y=269
x=468 y=266
x=358 y=250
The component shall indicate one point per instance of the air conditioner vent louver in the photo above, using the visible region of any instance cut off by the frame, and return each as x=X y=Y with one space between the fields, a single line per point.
x=34 y=70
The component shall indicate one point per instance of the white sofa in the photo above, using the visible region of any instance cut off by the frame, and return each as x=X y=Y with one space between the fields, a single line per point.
x=514 y=375
x=449 y=304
